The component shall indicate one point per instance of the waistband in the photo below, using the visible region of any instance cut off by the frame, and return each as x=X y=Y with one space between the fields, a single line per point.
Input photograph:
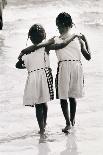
x=38 y=69
x=68 y=60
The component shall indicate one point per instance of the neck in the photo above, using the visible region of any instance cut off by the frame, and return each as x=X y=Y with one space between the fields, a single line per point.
x=65 y=32
x=64 y=35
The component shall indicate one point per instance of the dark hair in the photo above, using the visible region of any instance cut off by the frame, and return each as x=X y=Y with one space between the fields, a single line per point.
x=64 y=19
x=36 y=33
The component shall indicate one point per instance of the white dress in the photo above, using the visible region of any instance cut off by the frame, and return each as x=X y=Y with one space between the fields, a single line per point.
x=70 y=71
x=36 y=88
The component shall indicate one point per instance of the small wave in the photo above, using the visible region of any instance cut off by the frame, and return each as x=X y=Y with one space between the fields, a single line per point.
x=92 y=18
x=50 y=136
x=95 y=23
x=11 y=138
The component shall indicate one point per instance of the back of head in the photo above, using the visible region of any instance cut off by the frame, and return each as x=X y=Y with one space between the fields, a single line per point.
x=64 y=19
x=36 y=33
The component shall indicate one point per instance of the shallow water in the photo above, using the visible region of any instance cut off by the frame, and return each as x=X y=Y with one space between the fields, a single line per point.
x=18 y=126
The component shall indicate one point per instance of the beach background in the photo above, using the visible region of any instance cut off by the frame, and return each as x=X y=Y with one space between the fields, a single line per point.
x=18 y=125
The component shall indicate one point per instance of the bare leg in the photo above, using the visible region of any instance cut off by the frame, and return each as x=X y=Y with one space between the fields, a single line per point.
x=64 y=106
x=72 y=110
x=39 y=116
x=45 y=110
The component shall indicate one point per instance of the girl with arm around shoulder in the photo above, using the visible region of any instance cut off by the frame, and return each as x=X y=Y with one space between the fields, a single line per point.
x=39 y=84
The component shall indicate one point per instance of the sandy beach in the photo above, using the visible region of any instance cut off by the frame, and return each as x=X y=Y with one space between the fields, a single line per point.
x=18 y=125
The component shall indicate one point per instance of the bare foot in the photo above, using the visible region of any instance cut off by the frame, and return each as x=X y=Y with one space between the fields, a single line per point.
x=42 y=138
x=65 y=130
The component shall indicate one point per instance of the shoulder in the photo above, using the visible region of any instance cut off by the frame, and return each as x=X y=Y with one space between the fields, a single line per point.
x=57 y=39
x=28 y=50
x=51 y=40
x=74 y=35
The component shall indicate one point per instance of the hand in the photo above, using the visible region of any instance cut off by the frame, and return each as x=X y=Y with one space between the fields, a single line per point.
x=82 y=37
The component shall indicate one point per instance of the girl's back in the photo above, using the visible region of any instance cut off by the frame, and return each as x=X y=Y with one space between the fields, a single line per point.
x=36 y=60
x=70 y=73
x=71 y=51
x=36 y=89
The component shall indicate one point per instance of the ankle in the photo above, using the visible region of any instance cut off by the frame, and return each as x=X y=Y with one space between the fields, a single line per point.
x=42 y=131
x=72 y=122
x=68 y=123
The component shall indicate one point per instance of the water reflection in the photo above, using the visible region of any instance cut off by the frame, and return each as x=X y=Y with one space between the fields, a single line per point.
x=71 y=146
x=43 y=148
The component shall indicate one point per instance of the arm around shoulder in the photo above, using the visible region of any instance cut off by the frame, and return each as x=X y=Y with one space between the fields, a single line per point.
x=27 y=50
x=62 y=44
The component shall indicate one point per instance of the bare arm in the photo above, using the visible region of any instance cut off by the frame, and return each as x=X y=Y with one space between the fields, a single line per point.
x=85 y=40
x=62 y=44
x=84 y=47
x=32 y=48
x=20 y=64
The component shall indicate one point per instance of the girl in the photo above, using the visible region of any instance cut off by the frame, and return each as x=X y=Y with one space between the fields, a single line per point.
x=39 y=84
x=69 y=79
x=70 y=72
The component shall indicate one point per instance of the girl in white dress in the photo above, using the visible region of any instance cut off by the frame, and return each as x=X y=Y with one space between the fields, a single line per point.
x=39 y=84
x=70 y=72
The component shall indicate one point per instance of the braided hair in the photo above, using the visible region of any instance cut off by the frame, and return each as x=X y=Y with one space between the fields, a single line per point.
x=36 y=33
x=64 y=19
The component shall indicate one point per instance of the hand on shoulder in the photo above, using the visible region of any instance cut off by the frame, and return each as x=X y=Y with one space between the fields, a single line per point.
x=82 y=36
